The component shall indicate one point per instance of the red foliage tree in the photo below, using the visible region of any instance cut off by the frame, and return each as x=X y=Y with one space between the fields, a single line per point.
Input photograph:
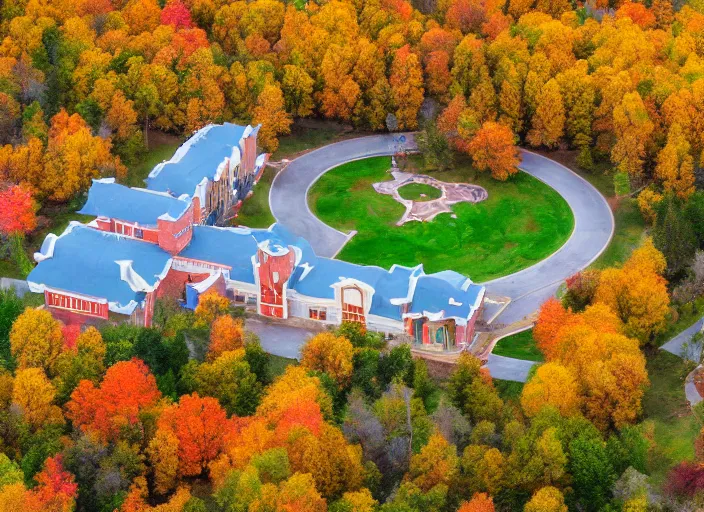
x=685 y=480
x=57 y=488
x=17 y=210
x=127 y=389
x=176 y=14
x=200 y=426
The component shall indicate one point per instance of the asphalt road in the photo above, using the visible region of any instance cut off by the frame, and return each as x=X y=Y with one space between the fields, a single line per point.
x=289 y=190
x=528 y=288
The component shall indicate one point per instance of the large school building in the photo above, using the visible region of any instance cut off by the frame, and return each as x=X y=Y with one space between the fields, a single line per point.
x=145 y=244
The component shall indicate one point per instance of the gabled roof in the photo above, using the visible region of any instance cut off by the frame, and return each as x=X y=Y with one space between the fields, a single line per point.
x=99 y=264
x=198 y=158
x=436 y=296
x=109 y=199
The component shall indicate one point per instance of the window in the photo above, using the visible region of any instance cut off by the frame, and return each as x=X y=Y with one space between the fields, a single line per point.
x=138 y=233
x=318 y=313
x=252 y=300
x=275 y=277
x=240 y=296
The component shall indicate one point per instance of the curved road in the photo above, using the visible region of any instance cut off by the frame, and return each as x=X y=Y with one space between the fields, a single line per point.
x=528 y=288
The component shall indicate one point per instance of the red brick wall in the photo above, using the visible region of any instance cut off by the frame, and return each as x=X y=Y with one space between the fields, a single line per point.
x=249 y=154
x=148 y=235
x=74 y=307
x=174 y=284
x=174 y=236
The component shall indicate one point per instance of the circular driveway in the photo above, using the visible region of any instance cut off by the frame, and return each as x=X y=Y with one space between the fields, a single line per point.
x=528 y=288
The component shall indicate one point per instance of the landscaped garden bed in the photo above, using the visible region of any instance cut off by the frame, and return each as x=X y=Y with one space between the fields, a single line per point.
x=522 y=222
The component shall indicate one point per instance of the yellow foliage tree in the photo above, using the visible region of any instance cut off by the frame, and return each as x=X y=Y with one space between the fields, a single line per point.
x=675 y=165
x=637 y=292
x=437 y=463
x=547 y=499
x=36 y=339
x=548 y=123
x=34 y=395
x=270 y=112
x=210 y=306
x=294 y=386
x=552 y=385
x=632 y=127
x=331 y=354
x=163 y=457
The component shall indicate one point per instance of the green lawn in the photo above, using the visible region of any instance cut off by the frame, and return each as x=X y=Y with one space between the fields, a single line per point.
x=664 y=403
x=255 y=211
x=419 y=192
x=519 y=346
x=629 y=233
x=522 y=222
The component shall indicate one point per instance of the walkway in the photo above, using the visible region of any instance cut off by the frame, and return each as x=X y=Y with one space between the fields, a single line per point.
x=675 y=345
x=528 y=289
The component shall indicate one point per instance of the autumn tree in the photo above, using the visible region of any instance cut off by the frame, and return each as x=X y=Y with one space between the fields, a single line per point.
x=210 y=306
x=492 y=148
x=552 y=385
x=113 y=409
x=85 y=360
x=406 y=82
x=547 y=499
x=548 y=122
x=17 y=218
x=34 y=395
x=73 y=157
x=163 y=457
x=198 y=424
x=632 y=127
x=675 y=165
x=271 y=114
x=35 y=340
x=480 y=502
x=436 y=464
x=226 y=334
x=637 y=292
x=329 y=354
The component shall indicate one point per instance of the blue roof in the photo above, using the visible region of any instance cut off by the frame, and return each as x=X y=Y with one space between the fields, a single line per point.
x=232 y=247
x=106 y=199
x=84 y=262
x=202 y=154
x=434 y=294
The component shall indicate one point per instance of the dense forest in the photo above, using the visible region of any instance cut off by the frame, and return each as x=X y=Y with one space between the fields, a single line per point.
x=193 y=415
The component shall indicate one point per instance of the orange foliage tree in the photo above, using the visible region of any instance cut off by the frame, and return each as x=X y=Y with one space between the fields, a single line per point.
x=113 y=409
x=492 y=149
x=226 y=334
x=199 y=424
x=481 y=502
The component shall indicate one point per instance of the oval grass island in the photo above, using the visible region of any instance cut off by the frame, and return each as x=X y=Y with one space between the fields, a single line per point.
x=522 y=222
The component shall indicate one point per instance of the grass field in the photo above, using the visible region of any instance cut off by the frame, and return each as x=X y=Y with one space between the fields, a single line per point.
x=665 y=405
x=629 y=233
x=419 y=192
x=255 y=211
x=522 y=222
x=519 y=346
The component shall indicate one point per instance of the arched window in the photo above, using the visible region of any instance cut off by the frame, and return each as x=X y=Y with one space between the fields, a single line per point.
x=353 y=304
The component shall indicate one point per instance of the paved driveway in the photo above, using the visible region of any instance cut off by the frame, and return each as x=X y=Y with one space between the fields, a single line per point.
x=528 y=288
x=289 y=190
